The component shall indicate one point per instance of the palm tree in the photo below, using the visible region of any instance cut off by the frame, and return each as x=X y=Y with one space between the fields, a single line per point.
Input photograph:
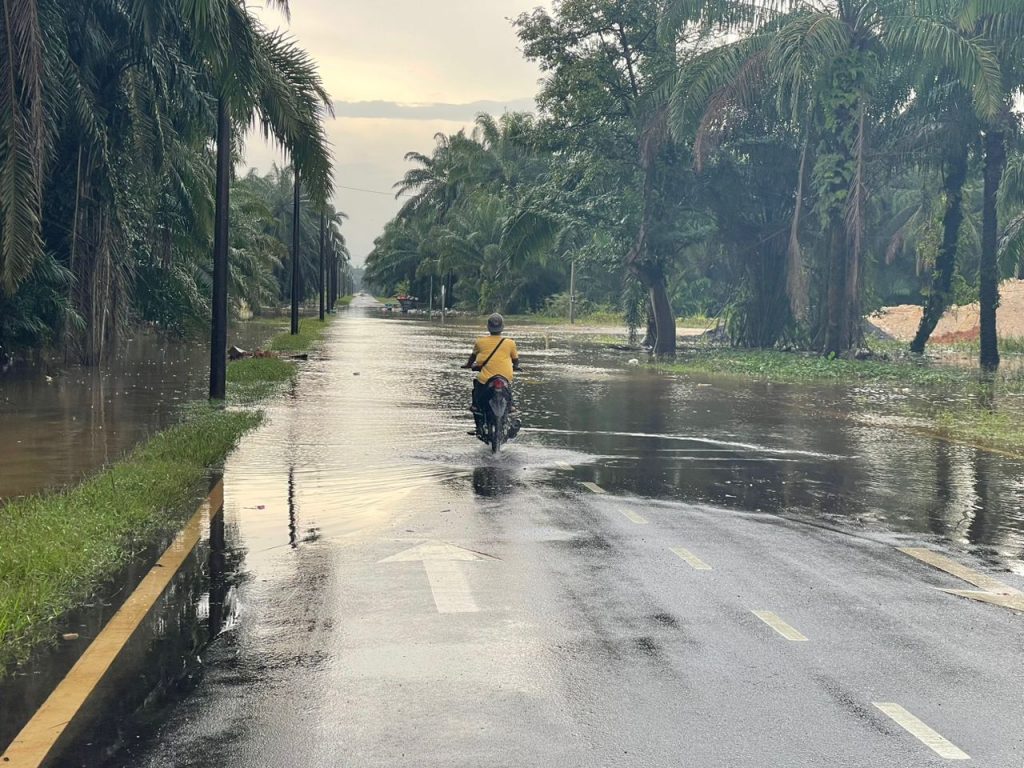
x=838 y=69
x=262 y=77
x=24 y=128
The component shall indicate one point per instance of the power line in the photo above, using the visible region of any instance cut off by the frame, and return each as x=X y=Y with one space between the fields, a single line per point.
x=372 y=191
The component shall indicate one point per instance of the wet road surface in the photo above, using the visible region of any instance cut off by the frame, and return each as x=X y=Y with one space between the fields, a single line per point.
x=725 y=592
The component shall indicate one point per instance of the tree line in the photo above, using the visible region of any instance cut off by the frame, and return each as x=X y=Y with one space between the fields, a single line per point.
x=121 y=124
x=785 y=165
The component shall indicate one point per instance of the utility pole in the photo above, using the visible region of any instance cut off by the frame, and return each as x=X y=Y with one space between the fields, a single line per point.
x=323 y=273
x=219 y=319
x=442 y=304
x=295 y=255
x=572 y=293
x=430 y=310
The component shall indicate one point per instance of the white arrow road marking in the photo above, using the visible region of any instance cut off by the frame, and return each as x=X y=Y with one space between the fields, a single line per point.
x=449 y=587
x=921 y=732
x=448 y=583
x=593 y=487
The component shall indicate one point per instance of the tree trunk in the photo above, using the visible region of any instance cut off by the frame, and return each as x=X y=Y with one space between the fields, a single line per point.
x=323 y=271
x=219 y=324
x=945 y=264
x=988 y=270
x=296 y=273
x=664 y=317
x=646 y=269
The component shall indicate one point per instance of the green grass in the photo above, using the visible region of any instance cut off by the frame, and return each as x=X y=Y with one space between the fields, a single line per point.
x=253 y=379
x=793 y=367
x=994 y=429
x=695 y=321
x=959 y=420
x=311 y=330
x=60 y=548
x=600 y=318
x=344 y=301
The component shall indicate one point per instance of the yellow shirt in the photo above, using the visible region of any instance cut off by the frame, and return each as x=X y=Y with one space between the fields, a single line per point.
x=501 y=363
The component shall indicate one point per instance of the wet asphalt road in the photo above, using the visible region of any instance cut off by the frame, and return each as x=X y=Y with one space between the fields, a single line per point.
x=402 y=598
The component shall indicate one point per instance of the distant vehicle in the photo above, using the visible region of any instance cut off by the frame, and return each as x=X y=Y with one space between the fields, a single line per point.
x=407 y=303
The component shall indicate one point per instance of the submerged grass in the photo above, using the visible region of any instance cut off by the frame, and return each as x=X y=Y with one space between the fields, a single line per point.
x=1002 y=430
x=60 y=548
x=961 y=389
x=794 y=367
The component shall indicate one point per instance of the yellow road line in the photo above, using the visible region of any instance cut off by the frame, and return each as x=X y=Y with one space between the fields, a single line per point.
x=953 y=568
x=593 y=487
x=33 y=745
x=784 y=629
x=687 y=556
x=634 y=517
x=927 y=736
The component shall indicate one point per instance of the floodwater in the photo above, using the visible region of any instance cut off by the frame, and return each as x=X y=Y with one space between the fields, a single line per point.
x=374 y=430
x=60 y=424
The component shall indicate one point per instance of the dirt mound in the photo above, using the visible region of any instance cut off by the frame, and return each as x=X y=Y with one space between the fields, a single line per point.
x=959 y=323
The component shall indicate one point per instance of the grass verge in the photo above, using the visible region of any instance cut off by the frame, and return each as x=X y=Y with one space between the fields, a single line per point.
x=60 y=548
x=310 y=332
x=793 y=367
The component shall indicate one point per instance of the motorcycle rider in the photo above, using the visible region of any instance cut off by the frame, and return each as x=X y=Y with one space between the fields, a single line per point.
x=492 y=355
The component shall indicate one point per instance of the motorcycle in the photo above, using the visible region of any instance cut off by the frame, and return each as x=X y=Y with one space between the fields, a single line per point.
x=498 y=425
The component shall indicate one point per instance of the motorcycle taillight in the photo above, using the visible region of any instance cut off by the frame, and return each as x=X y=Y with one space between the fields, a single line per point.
x=499 y=384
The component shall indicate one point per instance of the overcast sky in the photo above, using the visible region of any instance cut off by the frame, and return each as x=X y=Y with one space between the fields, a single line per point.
x=400 y=71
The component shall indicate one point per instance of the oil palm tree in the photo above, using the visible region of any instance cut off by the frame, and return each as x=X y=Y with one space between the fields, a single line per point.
x=263 y=78
x=838 y=69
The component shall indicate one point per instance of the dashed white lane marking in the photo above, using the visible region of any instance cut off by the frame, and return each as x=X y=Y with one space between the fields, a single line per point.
x=449 y=587
x=687 y=556
x=927 y=736
x=784 y=629
x=992 y=590
x=634 y=517
x=593 y=487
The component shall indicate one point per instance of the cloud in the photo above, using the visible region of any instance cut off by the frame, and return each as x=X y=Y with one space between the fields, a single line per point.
x=393 y=110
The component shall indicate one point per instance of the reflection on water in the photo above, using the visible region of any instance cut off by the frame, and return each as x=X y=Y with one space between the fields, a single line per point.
x=493 y=482
x=161 y=662
x=343 y=455
x=61 y=424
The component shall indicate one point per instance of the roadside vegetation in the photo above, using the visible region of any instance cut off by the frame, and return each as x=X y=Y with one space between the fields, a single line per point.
x=112 y=122
x=796 y=367
x=787 y=167
x=60 y=548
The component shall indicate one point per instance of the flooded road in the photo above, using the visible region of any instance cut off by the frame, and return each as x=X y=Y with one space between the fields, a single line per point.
x=659 y=567
x=62 y=423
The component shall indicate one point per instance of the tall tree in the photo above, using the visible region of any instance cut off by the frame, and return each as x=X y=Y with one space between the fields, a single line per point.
x=840 y=69
x=605 y=68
